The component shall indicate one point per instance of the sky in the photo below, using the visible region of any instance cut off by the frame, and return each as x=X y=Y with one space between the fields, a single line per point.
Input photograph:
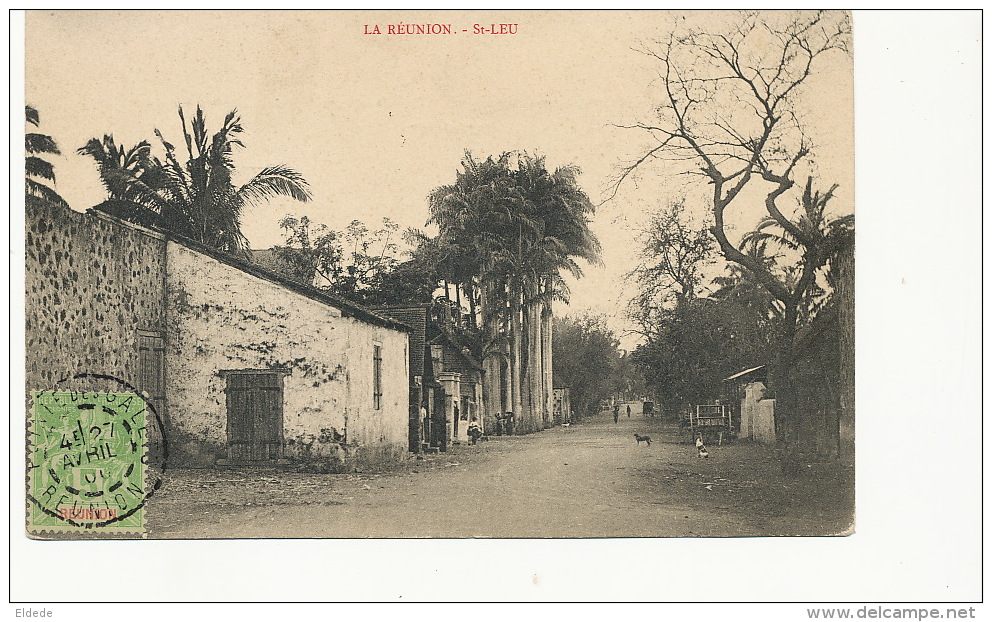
x=375 y=122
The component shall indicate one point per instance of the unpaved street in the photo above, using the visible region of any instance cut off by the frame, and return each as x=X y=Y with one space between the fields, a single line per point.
x=590 y=480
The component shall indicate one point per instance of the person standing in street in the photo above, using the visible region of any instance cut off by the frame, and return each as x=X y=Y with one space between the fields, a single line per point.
x=628 y=411
x=616 y=413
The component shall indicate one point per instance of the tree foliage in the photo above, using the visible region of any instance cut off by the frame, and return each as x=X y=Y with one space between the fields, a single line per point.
x=191 y=194
x=587 y=361
x=672 y=259
x=311 y=249
x=693 y=348
x=39 y=173
x=730 y=113
x=508 y=224
x=698 y=328
x=359 y=263
x=508 y=229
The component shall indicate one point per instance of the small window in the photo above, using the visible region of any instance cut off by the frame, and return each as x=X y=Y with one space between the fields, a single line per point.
x=377 y=376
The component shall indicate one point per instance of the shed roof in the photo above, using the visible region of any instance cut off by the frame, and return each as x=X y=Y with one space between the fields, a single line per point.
x=743 y=373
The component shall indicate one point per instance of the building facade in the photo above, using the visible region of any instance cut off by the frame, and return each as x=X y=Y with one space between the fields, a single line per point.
x=446 y=383
x=241 y=364
x=261 y=368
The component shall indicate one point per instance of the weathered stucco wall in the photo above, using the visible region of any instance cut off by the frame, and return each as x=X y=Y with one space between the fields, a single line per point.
x=91 y=284
x=764 y=422
x=757 y=414
x=222 y=318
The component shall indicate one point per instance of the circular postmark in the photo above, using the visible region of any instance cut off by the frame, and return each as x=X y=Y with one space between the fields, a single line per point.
x=96 y=453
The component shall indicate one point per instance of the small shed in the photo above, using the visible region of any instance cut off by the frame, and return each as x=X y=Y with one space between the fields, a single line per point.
x=733 y=386
x=745 y=394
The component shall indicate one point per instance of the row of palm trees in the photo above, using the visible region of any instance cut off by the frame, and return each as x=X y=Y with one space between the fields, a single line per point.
x=508 y=229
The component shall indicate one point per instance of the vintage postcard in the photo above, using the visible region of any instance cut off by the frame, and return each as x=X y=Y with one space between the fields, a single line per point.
x=439 y=274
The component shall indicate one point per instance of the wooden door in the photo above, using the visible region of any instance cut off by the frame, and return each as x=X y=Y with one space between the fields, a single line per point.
x=254 y=416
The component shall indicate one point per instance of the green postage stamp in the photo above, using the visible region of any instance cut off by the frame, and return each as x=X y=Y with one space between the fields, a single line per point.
x=86 y=462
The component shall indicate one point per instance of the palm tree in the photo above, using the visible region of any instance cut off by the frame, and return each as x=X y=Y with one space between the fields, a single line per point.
x=512 y=227
x=38 y=172
x=195 y=198
x=560 y=211
x=811 y=247
x=817 y=241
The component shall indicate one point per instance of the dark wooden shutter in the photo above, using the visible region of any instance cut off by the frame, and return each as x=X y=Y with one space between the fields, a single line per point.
x=377 y=376
x=151 y=367
x=254 y=416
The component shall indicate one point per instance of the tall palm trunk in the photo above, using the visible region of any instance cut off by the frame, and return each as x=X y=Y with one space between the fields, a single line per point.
x=546 y=335
x=516 y=355
x=489 y=381
x=471 y=292
x=528 y=367
x=501 y=327
x=458 y=304
x=495 y=385
x=447 y=297
x=534 y=359
x=507 y=379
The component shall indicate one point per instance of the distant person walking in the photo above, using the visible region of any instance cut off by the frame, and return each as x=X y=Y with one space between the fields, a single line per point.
x=616 y=413
x=628 y=411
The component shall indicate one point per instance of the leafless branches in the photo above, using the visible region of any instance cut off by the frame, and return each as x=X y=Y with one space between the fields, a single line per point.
x=727 y=112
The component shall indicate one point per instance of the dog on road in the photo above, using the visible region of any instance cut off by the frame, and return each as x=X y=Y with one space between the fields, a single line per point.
x=701 y=448
x=639 y=438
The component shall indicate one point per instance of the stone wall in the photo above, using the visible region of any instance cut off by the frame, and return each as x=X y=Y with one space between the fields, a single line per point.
x=95 y=285
x=223 y=318
x=91 y=284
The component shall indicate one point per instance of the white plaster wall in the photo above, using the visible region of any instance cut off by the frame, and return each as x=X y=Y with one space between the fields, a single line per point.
x=220 y=317
x=753 y=392
x=388 y=426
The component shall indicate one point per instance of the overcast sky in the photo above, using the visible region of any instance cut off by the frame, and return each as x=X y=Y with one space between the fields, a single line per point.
x=374 y=122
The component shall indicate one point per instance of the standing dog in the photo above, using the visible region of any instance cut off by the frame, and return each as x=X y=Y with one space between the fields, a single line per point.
x=639 y=438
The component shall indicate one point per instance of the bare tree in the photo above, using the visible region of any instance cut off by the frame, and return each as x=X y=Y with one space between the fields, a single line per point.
x=729 y=113
x=669 y=272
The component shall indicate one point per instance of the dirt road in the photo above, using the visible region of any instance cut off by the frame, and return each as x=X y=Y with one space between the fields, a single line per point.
x=590 y=480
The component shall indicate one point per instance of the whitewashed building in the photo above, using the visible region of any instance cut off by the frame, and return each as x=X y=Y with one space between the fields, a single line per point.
x=241 y=364
x=261 y=368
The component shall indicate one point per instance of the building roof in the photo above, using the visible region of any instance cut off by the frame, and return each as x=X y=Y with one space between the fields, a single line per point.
x=347 y=307
x=743 y=373
x=442 y=336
